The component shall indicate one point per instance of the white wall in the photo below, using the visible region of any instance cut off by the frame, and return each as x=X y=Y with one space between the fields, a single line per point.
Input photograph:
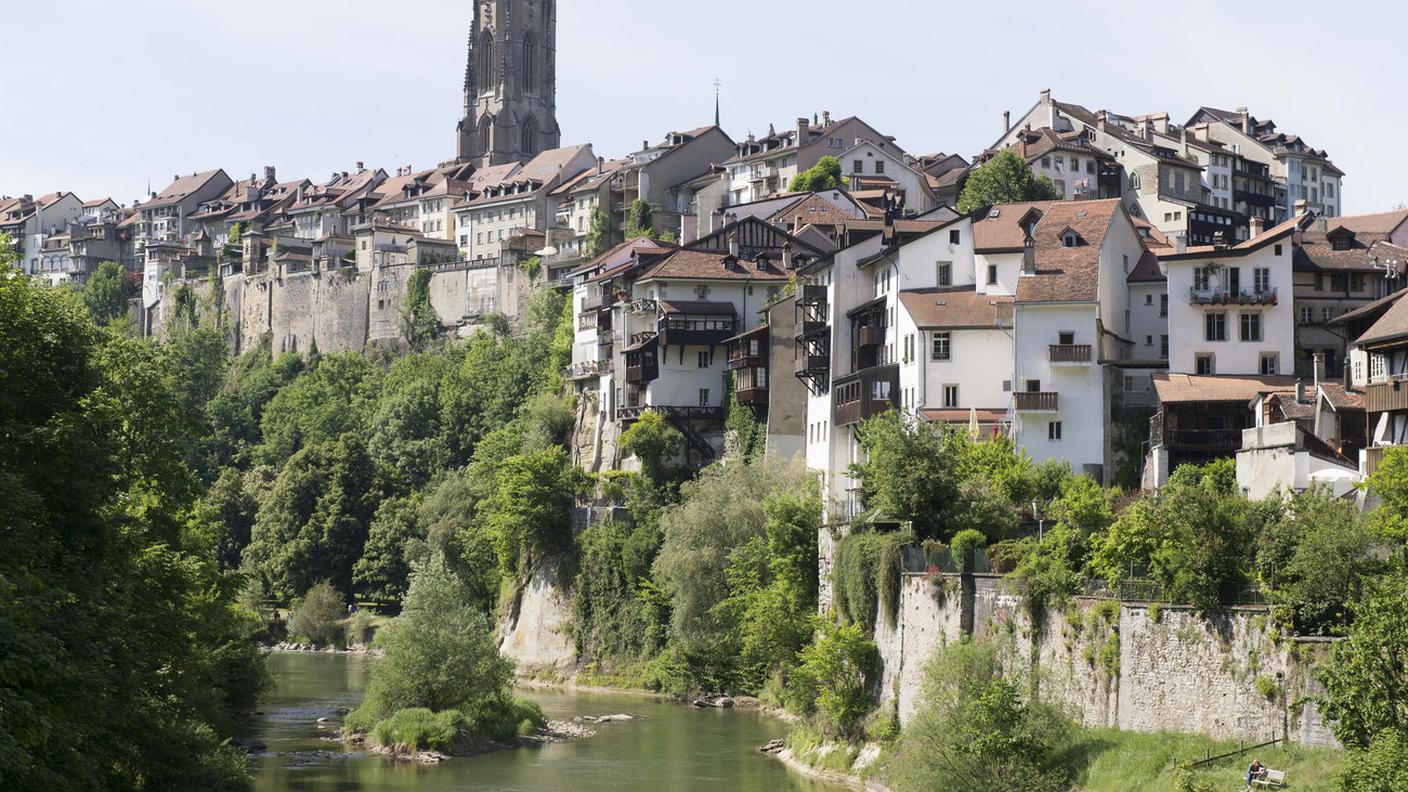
x=1187 y=337
x=1081 y=406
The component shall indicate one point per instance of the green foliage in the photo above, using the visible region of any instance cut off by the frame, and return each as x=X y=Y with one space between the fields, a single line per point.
x=1381 y=767
x=106 y=293
x=1004 y=179
x=831 y=681
x=331 y=398
x=1366 y=684
x=126 y=663
x=531 y=266
x=1390 y=485
x=824 y=175
x=1313 y=561
x=1267 y=688
x=745 y=432
x=418 y=729
x=419 y=322
x=439 y=655
x=612 y=604
x=909 y=474
x=383 y=571
x=975 y=730
x=965 y=543
x=866 y=577
x=640 y=221
x=529 y=515
x=316 y=616
x=598 y=235
x=357 y=630
x=655 y=443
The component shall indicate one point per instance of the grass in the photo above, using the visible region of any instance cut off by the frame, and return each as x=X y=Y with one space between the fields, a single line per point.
x=1128 y=762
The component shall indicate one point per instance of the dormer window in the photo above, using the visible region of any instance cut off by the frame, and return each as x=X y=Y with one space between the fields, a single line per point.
x=1070 y=239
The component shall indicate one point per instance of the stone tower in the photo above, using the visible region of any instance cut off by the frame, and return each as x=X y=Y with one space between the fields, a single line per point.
x=510 y=83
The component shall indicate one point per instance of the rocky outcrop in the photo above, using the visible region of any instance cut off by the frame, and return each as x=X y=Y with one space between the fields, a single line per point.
x=536 y=629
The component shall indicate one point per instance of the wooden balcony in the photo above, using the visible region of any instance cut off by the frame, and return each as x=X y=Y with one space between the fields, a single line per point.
x=711 y=332
x=1029 y=402
x=633 y=412
x=865 y=394
x=752 y=396
x=812 y=364
x=811 y=294
x=1390 y=396
x=1374 y=457
x=871 y=336
x=1070 y=354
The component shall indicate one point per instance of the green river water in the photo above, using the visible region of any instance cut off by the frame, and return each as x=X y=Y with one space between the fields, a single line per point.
x=674 y=749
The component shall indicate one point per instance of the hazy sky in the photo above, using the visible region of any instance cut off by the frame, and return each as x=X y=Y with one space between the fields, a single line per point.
x=103 y=95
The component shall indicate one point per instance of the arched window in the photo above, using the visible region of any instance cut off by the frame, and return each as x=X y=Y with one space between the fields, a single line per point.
x=485 y=134
x=530 y=63
x=529 y=142
x=488 y=74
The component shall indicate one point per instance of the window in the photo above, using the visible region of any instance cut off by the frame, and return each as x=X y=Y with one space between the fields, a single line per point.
x=1262 y=277
x=1202 y=278
x=1148 y=299
x=1268 y=364
x=941 y=348
x=703 y=360
x=703 y=397
x=1251 y=326
x=1307 y=315
x=1066 y=338
x=879 y=166
x=1163 y=346
x=1090 y=166
x=945 y=273
x=954 y=236
x=858 y=167
x=1053 y=430
x=1215 y=326
x=1278 y=250
x=1045 y=162
x=1326 y=314
x=701 y=292
x=992 y=274
x=1203 y=365
x=950 y=396
x=1163 y=304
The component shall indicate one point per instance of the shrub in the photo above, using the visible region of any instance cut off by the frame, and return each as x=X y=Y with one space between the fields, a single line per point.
x=831 y=681
x=316 y=616
x=1267 y=688
x=358 y=629
x=1381 y=767
x=965 y=544
x=418 y=729
x=866 y=575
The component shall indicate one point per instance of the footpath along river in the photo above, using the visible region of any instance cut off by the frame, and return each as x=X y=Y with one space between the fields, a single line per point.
x=674 y=749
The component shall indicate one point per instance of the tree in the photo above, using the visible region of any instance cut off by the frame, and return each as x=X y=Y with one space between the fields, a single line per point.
x=1366 y=675
x=106 y=293
x=383 y=571
x=830 y=682
x=439 y=655
x=598 y=235
x=419 y=322
x=655 y=443
x=909 y=472
x=824 y=175
x=316 y=614
x=1390 y=484
x=529 y=515
x=1004 y=179
x=975 y=730
x=1314 y=560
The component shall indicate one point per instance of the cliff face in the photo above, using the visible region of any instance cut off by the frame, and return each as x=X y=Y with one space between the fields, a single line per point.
x=1127 y=665
x=536 y=629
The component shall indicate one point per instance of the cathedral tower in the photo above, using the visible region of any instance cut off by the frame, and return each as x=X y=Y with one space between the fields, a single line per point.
x=510 y=83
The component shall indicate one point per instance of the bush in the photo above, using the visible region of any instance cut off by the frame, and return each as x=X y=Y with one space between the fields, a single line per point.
x=316 y=616
x=418 y=729
x=1382 y=767
x=358 y=629
x=1267 y=688
x=965 y=544
x=830 y=684
x=975 y=731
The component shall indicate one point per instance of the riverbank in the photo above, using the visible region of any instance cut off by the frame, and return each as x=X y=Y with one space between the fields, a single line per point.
x=466 y=746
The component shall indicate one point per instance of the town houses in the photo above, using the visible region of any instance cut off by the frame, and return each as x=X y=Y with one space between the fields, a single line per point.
x=1185 y=291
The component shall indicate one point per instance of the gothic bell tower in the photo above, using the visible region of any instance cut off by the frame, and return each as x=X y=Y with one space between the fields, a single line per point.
x=510 y=83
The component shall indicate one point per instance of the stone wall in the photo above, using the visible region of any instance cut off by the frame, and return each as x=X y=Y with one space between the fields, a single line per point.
x=1128 y=665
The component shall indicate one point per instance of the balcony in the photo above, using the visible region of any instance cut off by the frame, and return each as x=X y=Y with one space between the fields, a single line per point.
x=808 y=327
x=866 y=394
x=1374 y=458
x=811 y=294
x=642 y=366
x=812 y=365
x=752 y=396
x=592 y=303
x=871 y=336
x=1032 y=402
x=697 y=332
x=1070 y=354
x=1220 y=296
x=633 y=412
x=1215 y=441
x=745 y=355
x=1382 y=397
x=590 y=369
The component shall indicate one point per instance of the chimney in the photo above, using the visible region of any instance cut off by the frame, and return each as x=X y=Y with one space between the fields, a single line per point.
x=1245 y=119
x=1318 y=363
x=1180 y=243
x=361 y=166
x=269 y=172
x=825 y=117
x=176 y=177
x=787 y=256
x=1322 y=224
x=1183 y=138
x=1006 y=121
x=1219 y=240
x=1258 y=227
x=733 y=244
x=803 y=126
x=1301 y=206
x=1029 y=256
x=644 y=144
x=600 y=165
x=1100 y=120
x=1300 y=391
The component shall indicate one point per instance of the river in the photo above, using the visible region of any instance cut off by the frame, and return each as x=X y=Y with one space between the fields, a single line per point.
x=675 y=748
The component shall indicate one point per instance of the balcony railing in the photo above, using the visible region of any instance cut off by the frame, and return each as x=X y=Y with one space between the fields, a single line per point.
x=592 y=302
x=811 y=294
x=634 y=412
x=694 y=332
x=1033 y=402
x=1374 y=457
x=1390 y=396
x=871 y=335
x=752 y=395
x=1070 y=353
x=1220 y=296
x=808 y=327
x=812 y=364
x=1205 y=439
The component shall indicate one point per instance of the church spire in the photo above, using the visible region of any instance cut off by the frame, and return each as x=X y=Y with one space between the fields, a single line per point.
x=717 y=86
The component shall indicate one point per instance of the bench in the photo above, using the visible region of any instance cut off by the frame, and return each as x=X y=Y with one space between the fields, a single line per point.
x=1271 y=779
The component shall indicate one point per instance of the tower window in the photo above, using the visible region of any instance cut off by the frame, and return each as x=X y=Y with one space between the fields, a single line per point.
x=530 y=63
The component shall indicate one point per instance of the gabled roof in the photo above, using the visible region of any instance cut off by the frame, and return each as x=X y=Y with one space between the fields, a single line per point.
x=180 y=188
x=1176 y=388
x=705 y=265
x=999 y=229
x=1147 y=270
x=1069 y=274
x=1377 y=223
x=1255 y=243
x=1391 y=327
x=956 y=308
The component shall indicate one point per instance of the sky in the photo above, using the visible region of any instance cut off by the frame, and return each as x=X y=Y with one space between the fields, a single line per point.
x=103 y=97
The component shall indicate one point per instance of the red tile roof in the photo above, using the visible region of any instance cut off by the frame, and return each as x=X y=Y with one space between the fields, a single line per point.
x=705 y=265
x=957 y=308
